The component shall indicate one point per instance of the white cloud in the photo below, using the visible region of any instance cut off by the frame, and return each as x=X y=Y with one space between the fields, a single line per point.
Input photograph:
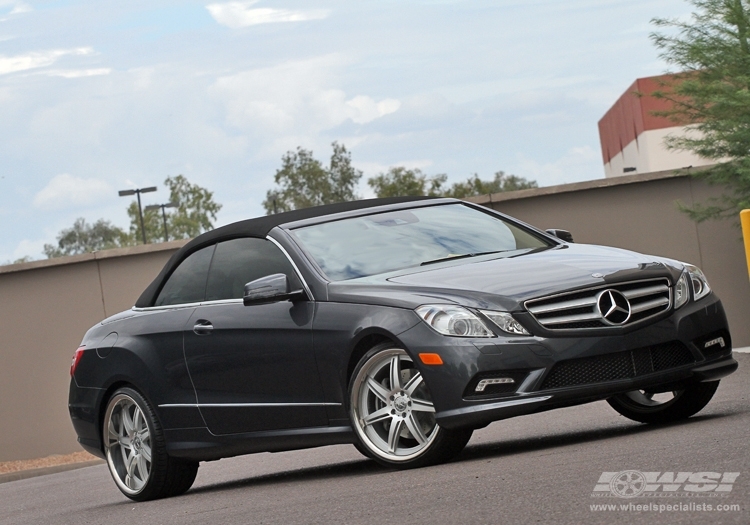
x=20 y=7
x=241 y=14
x=578 y=164
x=65 y=191
x=16 y=7
x=364 y=109
x=295 y=96
x=78 y=73
x=37 y=59
x=28 y=248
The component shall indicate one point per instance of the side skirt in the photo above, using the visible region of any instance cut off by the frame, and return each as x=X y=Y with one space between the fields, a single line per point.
x=198 y=444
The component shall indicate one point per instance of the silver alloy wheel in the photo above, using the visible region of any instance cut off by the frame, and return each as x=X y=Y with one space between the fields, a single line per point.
x=391 y=407
x=127 y=444
x=648 y=400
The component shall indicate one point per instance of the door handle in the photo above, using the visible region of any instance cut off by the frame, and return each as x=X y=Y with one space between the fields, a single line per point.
x=203 y=327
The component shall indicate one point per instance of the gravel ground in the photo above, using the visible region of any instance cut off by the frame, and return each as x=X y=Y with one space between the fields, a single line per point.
x=56 y=460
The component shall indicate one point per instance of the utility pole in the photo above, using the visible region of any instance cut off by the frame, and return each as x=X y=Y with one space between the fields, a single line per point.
x=163 y=215
x=137 y=192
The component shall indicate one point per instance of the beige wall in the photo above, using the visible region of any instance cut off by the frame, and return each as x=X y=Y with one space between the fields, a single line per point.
x=47 y=306
x=640 y=213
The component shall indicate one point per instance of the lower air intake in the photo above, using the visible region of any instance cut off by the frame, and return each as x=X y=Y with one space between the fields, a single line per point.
x=619 y=365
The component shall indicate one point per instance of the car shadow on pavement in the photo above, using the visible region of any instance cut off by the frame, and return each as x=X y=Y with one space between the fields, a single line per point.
x=323 y=472
x=560 y=439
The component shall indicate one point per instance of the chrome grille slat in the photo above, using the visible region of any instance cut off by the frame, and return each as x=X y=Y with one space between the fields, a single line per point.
x=643 y=292
x=571 y=318
x=580 y=309
x=565 y=305
x=648 y=305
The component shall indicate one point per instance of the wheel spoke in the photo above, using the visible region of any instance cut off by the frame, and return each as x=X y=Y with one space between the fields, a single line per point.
x=395 y=372
x=413 y=383
x=112 y=434
x=142 y=468
x=379 y=390
x=127 y=421
x=415 y=429
x=137 y=419
x=421 y=405
x=394 y=433
x=379 y=415
x=124 y=452
x=130 y=477
x=146 y=452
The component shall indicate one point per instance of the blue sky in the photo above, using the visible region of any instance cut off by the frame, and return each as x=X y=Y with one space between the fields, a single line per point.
x=107 y=95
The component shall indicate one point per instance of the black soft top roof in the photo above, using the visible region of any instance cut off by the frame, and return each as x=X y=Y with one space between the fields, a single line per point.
x=258 y=227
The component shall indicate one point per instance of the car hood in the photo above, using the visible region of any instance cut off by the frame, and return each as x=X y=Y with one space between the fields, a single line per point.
x=504 y=281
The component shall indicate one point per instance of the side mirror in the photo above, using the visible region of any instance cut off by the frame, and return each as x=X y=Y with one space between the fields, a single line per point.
x=563 y=235
x=269 y=289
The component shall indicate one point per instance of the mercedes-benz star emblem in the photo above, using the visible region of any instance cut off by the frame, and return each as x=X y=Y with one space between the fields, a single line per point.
x=613 y=306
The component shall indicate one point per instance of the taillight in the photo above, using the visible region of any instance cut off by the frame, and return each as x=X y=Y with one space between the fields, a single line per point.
x=76 y=358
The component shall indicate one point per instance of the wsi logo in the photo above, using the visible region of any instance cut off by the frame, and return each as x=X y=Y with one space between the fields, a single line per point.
x=634 y=483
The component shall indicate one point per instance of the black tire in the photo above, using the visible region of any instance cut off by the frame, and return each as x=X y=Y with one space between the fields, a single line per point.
x=638 y=406
x=416 y=440
x=136 y=453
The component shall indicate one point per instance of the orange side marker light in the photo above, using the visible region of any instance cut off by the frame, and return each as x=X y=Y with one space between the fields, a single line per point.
x=431 y=359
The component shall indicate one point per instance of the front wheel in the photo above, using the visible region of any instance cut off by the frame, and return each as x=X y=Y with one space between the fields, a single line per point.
x=393 y=415
x=136 y=452
x=649 y=407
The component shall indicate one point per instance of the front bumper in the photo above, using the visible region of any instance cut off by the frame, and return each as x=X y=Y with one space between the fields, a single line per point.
x=667 y=355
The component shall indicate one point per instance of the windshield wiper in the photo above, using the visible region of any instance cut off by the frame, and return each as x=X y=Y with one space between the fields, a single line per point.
x=462 y=256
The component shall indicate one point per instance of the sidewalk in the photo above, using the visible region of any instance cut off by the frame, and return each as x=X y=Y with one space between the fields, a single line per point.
x=23 y=469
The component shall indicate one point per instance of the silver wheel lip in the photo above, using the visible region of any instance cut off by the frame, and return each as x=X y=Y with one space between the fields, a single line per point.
x=108 y=451
x=375 y=360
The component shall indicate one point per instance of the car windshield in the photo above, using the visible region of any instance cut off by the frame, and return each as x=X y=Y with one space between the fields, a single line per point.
x=384 y=242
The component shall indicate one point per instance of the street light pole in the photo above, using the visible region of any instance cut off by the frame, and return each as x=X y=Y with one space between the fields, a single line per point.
x=137 y=192
x=163 y=215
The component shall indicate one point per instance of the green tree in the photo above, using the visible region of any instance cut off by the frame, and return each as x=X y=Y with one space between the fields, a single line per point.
x=400 y=181
x=303 y=181
x=195 y=213
x=711 y=91
x=476 y=186
x=83 y=237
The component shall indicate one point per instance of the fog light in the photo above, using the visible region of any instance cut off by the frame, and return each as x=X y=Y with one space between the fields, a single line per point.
x=493 y=381
x=718 y=341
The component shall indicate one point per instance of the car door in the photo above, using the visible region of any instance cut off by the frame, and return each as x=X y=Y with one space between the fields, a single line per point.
x=253 y=367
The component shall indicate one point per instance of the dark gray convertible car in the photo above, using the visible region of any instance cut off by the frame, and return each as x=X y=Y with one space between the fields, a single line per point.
x=398 y=325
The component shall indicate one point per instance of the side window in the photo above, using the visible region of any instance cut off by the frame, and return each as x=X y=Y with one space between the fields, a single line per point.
x=239 y=261
x=187 y=284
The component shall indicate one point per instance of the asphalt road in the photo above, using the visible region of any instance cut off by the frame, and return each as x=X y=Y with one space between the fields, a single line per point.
x=533 y=469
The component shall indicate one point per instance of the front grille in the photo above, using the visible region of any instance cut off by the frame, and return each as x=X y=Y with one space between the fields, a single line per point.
x=619 y=365
x=606 y=306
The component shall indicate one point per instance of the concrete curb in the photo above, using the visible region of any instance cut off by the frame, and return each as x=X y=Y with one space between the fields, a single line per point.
x=32 y=473
x=743 y=350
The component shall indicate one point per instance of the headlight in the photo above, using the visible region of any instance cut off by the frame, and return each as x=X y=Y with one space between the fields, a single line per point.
x=454 y=321
x=681 y=291
x=699 y=282
x=505 y=322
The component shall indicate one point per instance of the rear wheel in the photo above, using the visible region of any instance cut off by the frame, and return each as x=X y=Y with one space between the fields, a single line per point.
x=136 y=451
x=392 y=412
x=649 y=407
